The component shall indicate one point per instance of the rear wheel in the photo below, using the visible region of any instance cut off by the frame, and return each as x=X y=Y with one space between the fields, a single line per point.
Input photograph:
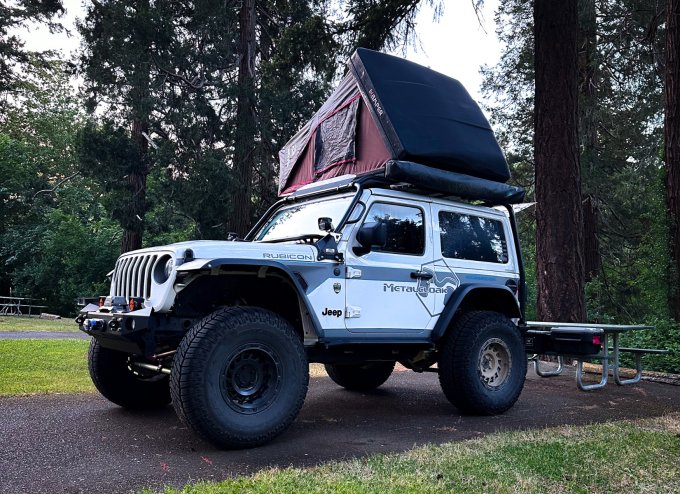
x=482 y=363
x=113 y=377
x=360 y=377
x=239 y=377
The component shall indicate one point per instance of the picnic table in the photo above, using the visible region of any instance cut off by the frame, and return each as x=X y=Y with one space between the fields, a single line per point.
x=19 y=306
x=609 y=355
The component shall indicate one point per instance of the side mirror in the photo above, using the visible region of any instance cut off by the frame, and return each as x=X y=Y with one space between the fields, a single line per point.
x=326 y=224
x=371 y=235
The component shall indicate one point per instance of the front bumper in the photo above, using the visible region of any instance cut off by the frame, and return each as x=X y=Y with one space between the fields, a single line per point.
x=139 y=332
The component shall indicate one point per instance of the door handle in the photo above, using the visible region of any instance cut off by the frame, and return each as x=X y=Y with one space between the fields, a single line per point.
x=423 y=275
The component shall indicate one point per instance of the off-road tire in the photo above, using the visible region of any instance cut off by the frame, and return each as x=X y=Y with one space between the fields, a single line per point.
x=360 y=377
x=239 y=377
x=119 y=384
x=482 y=363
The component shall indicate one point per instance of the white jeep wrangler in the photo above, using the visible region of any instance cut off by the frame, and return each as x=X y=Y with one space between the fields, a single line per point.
x=356 y=273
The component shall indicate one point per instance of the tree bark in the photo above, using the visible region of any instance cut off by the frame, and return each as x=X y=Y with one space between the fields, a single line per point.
x=140 y=80
x=672 y=143
x=559 y=215
x=587 y=126
x=246 y=128
x=587 y=81
x=133 y=223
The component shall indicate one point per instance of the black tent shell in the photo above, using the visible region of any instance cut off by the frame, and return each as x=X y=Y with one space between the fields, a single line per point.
x=389 y=109
x=427 y=117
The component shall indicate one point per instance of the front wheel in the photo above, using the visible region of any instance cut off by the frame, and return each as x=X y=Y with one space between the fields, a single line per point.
x=239 y=377
x=113 y=377
x=482 y=363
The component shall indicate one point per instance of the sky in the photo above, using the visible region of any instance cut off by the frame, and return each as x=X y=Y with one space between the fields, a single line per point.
x=456 y=45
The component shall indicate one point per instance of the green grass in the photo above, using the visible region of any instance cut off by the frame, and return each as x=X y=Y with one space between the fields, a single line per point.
x=43 y=366
x=619 y=457
x=21 y=323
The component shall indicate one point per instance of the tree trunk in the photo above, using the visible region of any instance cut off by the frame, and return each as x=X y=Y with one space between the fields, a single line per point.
x=587 y=81
x=559 y=215
x=672 y=143
x=587 y=125
x=133 y=223
x=246 y=128
x=135 y=210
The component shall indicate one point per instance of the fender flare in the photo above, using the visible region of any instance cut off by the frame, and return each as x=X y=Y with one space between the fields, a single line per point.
x=295 y=278
x=459 y=296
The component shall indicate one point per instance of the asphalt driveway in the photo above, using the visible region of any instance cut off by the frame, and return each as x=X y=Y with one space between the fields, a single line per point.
x=83 y=443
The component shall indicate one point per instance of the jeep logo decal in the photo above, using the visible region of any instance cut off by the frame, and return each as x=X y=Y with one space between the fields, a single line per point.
x=331 y=312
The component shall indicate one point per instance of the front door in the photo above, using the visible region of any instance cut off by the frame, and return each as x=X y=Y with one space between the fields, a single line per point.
x=388 y=288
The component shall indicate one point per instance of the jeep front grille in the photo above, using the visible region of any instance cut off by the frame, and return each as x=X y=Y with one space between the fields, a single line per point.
x=132 y=276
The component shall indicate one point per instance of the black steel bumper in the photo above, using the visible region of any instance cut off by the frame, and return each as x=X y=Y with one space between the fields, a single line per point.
x=140 y=332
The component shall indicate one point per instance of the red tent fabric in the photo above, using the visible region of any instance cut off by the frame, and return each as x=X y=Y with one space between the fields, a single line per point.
x=340 y=139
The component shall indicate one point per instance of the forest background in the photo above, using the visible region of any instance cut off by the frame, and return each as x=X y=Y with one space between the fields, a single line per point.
x=184 y=105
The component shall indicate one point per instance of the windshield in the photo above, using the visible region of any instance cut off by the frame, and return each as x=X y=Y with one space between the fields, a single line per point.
x=302 y=219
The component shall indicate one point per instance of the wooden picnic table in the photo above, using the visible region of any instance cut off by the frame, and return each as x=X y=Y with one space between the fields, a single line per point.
x=12 y=306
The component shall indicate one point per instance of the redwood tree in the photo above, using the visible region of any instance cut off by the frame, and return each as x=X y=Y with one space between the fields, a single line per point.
x=246 y=127
x=672 y=140
x=559 y=214
x=116 y=63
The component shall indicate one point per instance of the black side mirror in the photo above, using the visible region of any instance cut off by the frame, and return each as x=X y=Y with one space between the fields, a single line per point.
x=326 y=224
x=371 y=235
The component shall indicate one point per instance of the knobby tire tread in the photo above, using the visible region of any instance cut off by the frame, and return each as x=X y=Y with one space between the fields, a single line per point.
x=197 y=344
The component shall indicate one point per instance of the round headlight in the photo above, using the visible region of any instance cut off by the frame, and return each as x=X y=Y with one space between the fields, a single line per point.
x=167 y=271
x=163 y=269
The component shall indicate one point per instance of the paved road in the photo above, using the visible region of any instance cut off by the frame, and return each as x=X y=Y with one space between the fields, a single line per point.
x=82 y=443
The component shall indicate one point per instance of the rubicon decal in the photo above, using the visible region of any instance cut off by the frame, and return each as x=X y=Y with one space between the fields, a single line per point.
x=331 y=312
x=288 y=257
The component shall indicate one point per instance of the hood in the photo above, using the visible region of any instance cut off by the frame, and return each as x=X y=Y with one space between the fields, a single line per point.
x=205 y=250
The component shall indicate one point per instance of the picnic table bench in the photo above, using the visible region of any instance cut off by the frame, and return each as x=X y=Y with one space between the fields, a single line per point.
x=609 y=355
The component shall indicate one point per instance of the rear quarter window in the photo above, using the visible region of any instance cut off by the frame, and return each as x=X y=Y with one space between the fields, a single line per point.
x=472 y=238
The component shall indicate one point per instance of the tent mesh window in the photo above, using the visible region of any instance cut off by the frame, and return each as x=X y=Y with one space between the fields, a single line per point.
x=335 y=137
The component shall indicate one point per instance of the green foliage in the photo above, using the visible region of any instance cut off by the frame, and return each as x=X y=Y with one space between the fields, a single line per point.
x=55 y=234
x=67 y=255
x=13 y=56
x=384 y=24
x=620 y=119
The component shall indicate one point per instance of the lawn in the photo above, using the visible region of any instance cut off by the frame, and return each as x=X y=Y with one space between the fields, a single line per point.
x=619 y=457
x=33 y=366
x=23 y=323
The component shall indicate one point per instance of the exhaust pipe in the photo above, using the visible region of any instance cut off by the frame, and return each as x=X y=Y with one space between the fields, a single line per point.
x=149 y=367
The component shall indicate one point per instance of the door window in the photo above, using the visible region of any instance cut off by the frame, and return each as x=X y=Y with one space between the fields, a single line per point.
x=405 y=228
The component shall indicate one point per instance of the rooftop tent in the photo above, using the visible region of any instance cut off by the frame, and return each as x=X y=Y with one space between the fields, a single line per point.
x=387 y=108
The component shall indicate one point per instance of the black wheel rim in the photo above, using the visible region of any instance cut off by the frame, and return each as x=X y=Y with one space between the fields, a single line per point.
x=251 y=378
